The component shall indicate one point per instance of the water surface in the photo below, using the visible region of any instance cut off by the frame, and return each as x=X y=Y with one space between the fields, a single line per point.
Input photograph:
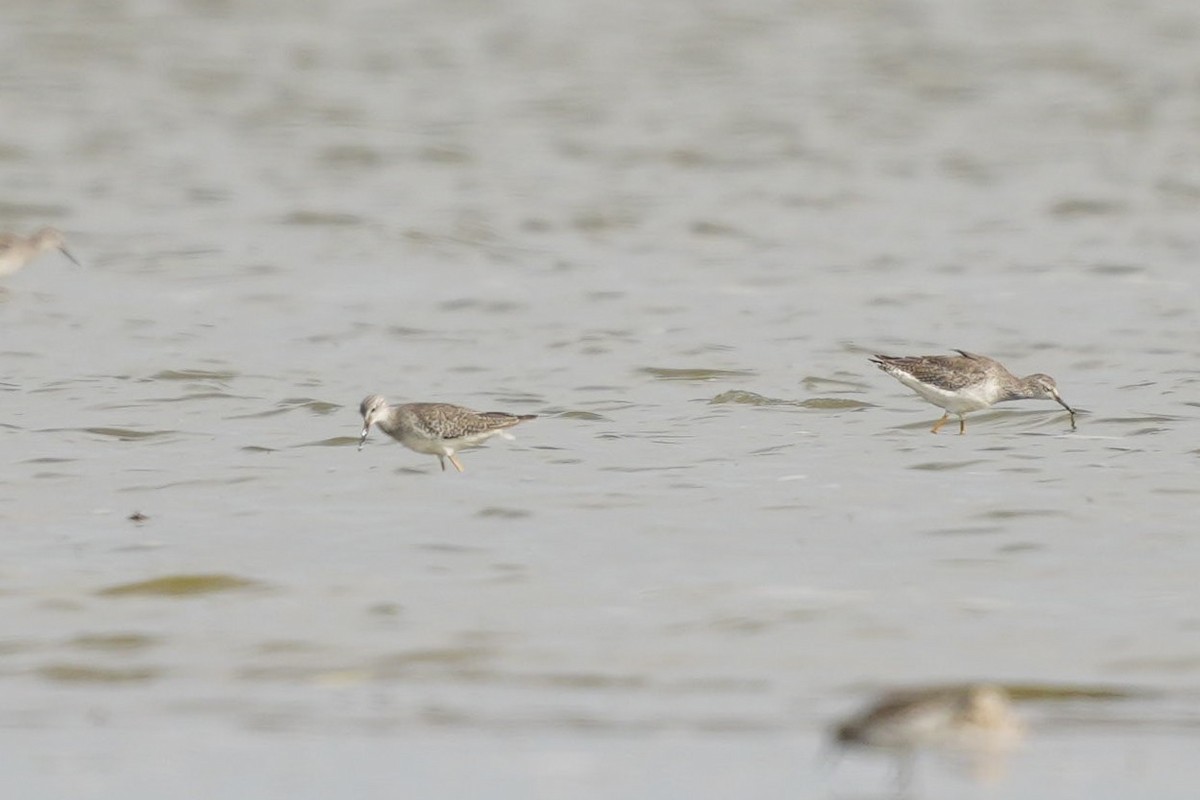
x=676 y=233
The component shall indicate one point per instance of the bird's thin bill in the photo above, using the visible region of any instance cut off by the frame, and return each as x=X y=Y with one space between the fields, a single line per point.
x=363 y=439
x=1070 y=410
x=67 y=253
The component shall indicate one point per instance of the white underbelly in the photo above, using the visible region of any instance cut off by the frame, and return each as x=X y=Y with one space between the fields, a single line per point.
x=444 y=447
x=959 y=402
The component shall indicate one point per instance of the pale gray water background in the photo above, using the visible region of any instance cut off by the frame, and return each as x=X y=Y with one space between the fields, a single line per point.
x=540 y=207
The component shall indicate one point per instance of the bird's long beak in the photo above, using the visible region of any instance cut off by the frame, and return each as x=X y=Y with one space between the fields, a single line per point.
x=365 y=431
x=1070 y=410
x=1062 y=403
x=67 y=253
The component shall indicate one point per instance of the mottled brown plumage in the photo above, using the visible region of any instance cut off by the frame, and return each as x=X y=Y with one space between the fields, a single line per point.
x=437 y=429
x=967 y=382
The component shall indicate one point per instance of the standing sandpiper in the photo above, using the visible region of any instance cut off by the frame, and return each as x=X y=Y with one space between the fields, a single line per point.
x=438 y=429
x=967 y=382
x=17 y=251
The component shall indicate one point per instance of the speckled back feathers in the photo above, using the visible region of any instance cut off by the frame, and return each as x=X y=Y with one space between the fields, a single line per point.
x=446 y=421
x=945 y=372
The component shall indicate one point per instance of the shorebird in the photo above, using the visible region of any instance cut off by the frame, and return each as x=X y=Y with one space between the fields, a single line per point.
x=976 y=718
x=17 y=251
x=967 y=382
x=438 y=429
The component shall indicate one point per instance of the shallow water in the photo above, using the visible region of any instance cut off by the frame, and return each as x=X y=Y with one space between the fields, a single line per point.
x=675 y=232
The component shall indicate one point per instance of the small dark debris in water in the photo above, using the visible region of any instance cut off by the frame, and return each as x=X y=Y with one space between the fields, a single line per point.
x=710 y=228
x=1086 y=207
x=1116 y=270
x=499 y=512
x=386 y=610
x=137 y=516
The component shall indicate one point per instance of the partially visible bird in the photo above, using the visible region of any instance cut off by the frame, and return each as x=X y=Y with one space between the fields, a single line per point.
x=17 y=251
x=976 y=718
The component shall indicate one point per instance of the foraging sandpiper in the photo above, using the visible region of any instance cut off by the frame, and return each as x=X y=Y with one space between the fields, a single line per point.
x=976 y=719
x=438 y=429
x=17 y=251
x=967 y=382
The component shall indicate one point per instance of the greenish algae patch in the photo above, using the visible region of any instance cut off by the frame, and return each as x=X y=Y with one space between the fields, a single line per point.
x=746 y=398
x=113 y=642
x=10 y=647
x=321 y=218
x=945 y=466
x=125 y=434
x=1044 y=691
x=333 y=441
x=753 y=399
x=463 y=661
x=181 y=586
x=322 y=407
x=668 y=374
x=193 y=375
x=500 y=512
x=1018 y=513
x=833 y=403
x=584 y=415
x=817 y=384
x=86 y=673
x=287 y=405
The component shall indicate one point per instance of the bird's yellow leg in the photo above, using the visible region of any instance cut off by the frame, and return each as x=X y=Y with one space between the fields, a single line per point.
x=937 y=426
x=454 y=461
